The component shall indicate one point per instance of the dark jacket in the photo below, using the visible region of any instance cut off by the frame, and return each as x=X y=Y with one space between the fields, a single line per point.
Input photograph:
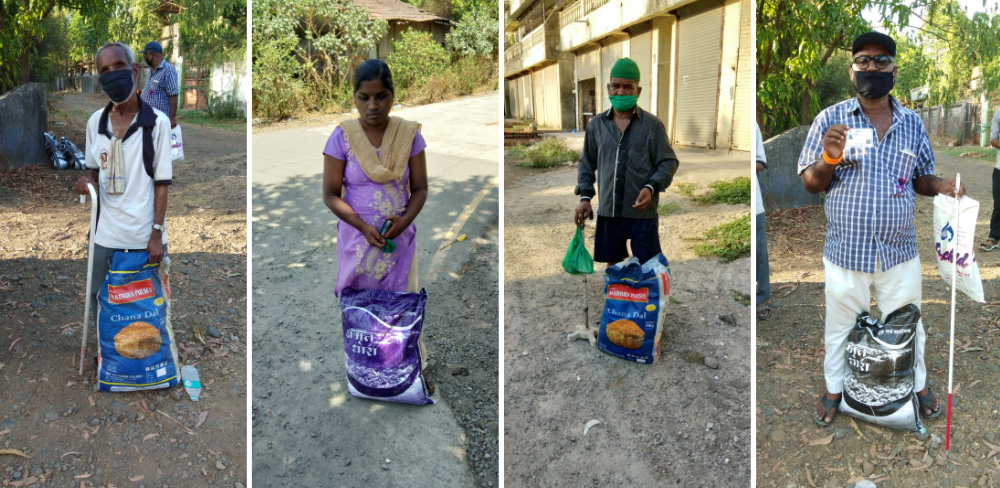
x=625 y=163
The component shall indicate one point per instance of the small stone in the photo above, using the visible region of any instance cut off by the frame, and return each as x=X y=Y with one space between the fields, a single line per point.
x=219 y=465
x=385 y=467
x=94 y=422
x=867 y=468
x=36 y=471
x=214 y=332
x=51 y=416
x=840 y=434
x=459 y=370
x=37 y=304
x=865 y=484
x=727 y=319
x=711 y=362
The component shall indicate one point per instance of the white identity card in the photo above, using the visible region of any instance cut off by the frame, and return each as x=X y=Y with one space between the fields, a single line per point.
x=860 y=140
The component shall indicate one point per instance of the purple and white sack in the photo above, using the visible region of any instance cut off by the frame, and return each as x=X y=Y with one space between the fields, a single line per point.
x=382 y=344
x=958 y=247
x=878 y=387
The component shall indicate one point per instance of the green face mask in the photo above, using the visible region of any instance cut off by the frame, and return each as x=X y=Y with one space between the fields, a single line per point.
x=623 y=103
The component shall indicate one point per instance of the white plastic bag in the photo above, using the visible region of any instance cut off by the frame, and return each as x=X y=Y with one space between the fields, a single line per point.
x=176 y=144
x=958 y=246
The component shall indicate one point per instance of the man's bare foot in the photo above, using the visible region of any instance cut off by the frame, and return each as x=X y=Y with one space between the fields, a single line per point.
x=826 y=409
x=929 y=407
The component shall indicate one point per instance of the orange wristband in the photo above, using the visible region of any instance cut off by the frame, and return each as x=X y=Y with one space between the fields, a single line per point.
x=830 y=160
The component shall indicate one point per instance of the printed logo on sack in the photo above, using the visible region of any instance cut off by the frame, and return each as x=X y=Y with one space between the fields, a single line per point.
x=130 y=292
x=947 y=233
x=627 y=293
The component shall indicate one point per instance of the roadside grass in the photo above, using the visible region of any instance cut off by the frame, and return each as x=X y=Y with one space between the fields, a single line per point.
x=686 y=189
x=668 y=208
x=735 y=191
x=971 y=152
x=728 y=241
x=546 y=153
x=201 y=117
x=741 y=298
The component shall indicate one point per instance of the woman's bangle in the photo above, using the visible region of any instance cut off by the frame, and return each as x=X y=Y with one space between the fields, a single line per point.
x=830 y=160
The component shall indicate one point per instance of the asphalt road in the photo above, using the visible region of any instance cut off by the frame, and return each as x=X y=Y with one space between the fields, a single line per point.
x=307 y=429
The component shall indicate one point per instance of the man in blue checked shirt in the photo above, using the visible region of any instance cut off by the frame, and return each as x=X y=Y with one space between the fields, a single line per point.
x=871 y=156
x=161 y=87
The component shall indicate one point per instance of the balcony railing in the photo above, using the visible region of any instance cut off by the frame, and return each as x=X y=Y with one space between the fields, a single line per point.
x=570 y=14
x=592 y=5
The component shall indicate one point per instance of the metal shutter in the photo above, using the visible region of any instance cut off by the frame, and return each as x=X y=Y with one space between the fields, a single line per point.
x=609 y=54
x=588 y=64
x=639 y=51
x=537 y=94
x=743 y=106
x=699 y=55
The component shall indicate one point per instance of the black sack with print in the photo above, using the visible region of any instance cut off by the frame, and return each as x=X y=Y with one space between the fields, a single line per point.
x=878 y=387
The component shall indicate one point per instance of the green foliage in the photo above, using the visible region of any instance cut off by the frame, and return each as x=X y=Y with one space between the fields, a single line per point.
x=546 y=153
x=415 y=56
x=834 y=83
x=796 y=41
x=277 y=84
x=49 y=59
x=735 y=191
x=476 y=32
x=22 y=30
x=686 y=189
x=741 y=298
x=322 y=41
x=213 y=32
x=668 y=208
x=462 y=77
x=728 y=241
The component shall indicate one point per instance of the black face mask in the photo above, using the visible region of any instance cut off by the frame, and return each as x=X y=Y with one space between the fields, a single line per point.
x=117 y=85
x=873 y=84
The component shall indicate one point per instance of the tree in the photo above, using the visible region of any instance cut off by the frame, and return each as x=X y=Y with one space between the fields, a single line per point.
x=21 y=30
x=796 y=40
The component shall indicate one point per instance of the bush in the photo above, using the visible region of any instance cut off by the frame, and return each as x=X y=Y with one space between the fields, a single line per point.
x=415 y=58
x=466 y=75
x=475 y=34
x=548 y=152
x=277 y=90
x=736 y=191
x=728 y=241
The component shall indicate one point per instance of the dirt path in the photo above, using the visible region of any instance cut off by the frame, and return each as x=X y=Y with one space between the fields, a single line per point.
x=789 y=350
x=672 y=422
x=74 y=435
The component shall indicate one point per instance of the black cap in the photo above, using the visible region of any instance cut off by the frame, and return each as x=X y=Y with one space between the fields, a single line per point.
x=874 y=38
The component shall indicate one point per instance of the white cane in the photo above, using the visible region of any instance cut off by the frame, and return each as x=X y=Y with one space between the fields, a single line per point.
x=951 y=343
x=90 y=266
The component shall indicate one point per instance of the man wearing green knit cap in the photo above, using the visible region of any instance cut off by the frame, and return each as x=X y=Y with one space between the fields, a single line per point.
x=627 y=148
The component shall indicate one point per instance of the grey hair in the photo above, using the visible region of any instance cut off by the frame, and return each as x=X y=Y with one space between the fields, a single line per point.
x=128 y=52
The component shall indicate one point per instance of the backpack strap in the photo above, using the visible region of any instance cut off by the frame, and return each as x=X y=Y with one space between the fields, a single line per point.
x=146 y=119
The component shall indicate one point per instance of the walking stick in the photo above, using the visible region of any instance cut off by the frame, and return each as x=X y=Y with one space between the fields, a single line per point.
x=90 y=263
x=951 y=342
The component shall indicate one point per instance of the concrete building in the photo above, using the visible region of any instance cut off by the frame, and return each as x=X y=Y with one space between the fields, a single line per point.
x=695 y=61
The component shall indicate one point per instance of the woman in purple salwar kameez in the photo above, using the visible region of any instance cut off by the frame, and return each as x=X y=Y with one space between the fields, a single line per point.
x=374 y=171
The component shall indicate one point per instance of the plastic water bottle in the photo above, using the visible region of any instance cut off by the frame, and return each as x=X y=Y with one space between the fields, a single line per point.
x=192 y=385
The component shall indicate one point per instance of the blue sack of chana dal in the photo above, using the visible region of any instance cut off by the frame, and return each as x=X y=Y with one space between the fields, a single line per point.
x=135 y=343
x=635 y=303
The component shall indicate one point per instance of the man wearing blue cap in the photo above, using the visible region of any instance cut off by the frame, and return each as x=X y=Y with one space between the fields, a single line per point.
x=628 y=149
x=161 y=87
x=871 y=156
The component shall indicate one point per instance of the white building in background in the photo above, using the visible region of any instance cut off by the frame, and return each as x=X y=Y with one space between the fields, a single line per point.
x=695 y=60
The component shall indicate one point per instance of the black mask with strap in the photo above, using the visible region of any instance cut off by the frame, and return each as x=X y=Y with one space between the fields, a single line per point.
x=146 y=120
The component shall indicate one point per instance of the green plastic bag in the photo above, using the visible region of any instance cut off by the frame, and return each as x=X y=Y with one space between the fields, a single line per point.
x=578 y=260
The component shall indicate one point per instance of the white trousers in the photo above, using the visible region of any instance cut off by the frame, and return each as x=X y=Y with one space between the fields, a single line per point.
x=847 y=295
